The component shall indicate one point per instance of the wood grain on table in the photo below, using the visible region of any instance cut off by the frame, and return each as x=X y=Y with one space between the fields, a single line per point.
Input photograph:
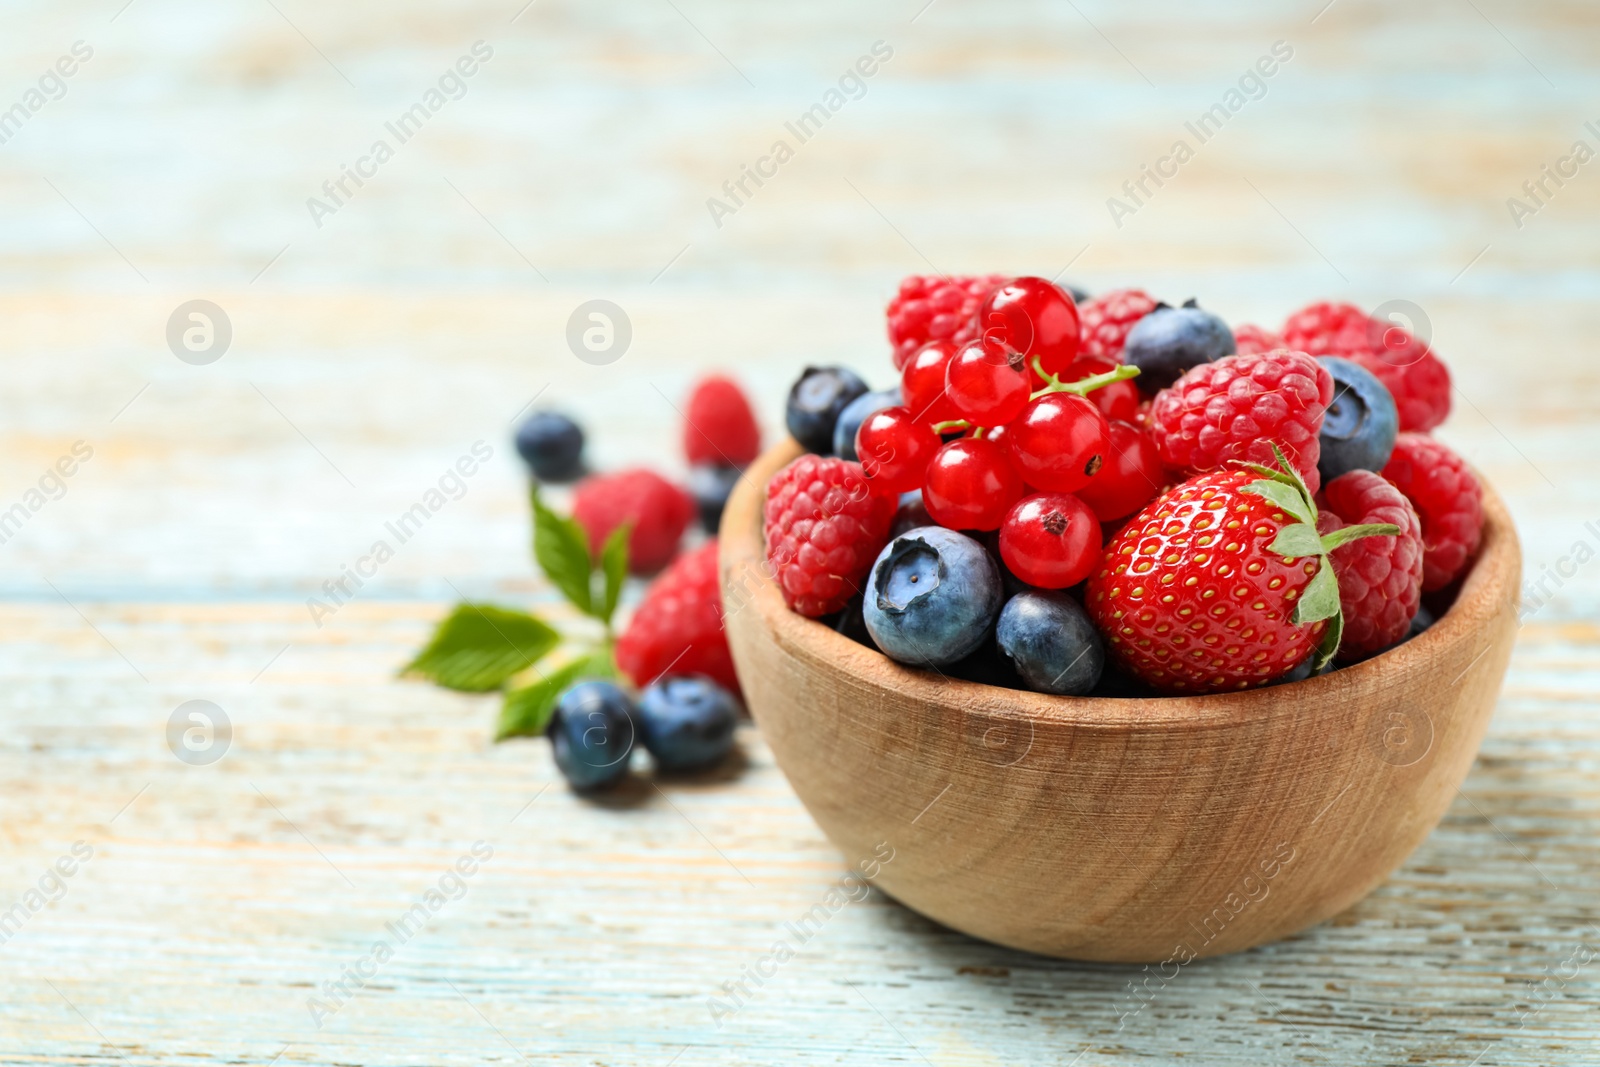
x=369 y=353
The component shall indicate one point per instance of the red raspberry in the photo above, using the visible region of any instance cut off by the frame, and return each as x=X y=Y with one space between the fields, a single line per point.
x=719 y=425
x=825 y=524
x=677 y=627
x=1329 y=329
x=930 y=307
x=1419 y=382
x=1449 y=500
x=1250 y=340
x=1107 y=318
x=1380 y=578
x=1417 y=379
x=1238 y=407
x=659 y=511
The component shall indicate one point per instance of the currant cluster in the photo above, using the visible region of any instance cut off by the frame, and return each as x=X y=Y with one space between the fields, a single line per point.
x=1018 y=431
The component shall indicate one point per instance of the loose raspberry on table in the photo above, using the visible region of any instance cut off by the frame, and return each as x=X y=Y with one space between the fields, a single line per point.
x=677 y=627
x=719 y=424
x=824 y=525
x=930 y=307
x=1380 y=578
x=1238 y=407
x=1448 y=500
x=1251 y=340
x=658 y=510
x=1107 y=318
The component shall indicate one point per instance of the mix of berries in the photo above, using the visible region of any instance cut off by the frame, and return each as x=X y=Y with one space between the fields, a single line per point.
x=1119 y=495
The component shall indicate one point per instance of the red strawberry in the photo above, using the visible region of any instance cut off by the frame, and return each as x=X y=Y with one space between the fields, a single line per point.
x=677 y=627
x=1239 y=407
x=1223 y=583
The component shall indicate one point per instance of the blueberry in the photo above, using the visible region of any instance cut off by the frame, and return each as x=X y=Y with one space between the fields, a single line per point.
x=987 y=666
x=1359 y=428
x=854 y=414
x=931 y=597
x=552 y=445
x=1052 y=642
x=853 y=625
x=1419 y=622
x=911 y=514
x=710 y=484
x=591 y=735
x=687 y=722
x=815 y=403
x=1170 y=340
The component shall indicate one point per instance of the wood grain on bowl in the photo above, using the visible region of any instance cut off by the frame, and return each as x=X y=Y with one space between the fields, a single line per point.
x=1138 y=830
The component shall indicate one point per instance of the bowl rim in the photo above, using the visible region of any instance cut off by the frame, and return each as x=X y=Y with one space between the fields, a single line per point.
x=1490 y=582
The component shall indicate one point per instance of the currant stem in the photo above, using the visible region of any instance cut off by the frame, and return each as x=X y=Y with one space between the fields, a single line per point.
x=951 y=424
x=1083 y=387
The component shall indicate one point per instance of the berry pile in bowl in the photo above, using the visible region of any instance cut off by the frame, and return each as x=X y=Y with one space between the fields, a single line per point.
x=1141 y=635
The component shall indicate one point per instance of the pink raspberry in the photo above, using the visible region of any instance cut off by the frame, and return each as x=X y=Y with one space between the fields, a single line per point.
x=825 y=524
x=1380 y=578
x=1447 y=497
x=659 y=511
x=1418 y=380
x=930 y=307
x=677 y=627
x=1252 y=340
x=1107 y=318
x=1238 y=407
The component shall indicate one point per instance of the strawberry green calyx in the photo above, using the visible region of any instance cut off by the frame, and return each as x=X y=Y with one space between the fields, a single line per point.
x=1082 y=387
x=1299 y=539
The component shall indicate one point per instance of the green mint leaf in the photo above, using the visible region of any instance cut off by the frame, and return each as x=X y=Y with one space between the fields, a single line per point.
x=1320 y=599
x=1351 y=533
x=1288 y=499
x=614 y=563
x=527 y=710
x=1329 y=645
x=1295 y=540
x=562 y=550
x=479 y=646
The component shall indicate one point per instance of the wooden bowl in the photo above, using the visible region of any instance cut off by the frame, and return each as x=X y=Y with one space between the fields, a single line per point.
x=1137 y=830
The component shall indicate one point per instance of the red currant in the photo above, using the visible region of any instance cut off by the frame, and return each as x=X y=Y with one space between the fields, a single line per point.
x=894 y=449
x=1035 y=317
x=922 y=382
x=984 y=386
x=1119 y=400
x=970 y=485
x=1131 y=477
x=1050 y=540
x=1059 y=442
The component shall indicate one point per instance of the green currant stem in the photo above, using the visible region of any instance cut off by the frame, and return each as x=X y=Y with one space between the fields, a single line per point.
x=1079 y=388
x=977 y=433
x=951 y=424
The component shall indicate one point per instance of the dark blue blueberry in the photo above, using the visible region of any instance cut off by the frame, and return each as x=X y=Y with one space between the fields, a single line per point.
x=1419 y=622
x=932 y=596
x=911 y=514
x=1170 y=340
x=987 y=666
x=1050 y=639
x=1359 y=428
x=853 y=625
x=710 y=484
x=854 y=414
x=815 y=403
x=687 y=722
x=591 y=735
x=552 y=446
